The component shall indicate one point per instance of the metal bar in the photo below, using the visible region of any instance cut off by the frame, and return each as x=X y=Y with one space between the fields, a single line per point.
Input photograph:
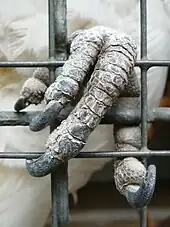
x=89 y=154
x=143 y=15
x=30 y=64
x=54 y=209
x=143 y=35
x=54 y=63
x=125 y=116
x=58 y=51
x=59 y=190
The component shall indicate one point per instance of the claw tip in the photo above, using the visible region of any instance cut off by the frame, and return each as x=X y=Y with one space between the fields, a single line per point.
x=140 y=196
x=20 y=104
x=42 y=166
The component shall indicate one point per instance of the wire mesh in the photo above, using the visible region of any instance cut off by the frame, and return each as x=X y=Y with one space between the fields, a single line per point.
x=57 y=54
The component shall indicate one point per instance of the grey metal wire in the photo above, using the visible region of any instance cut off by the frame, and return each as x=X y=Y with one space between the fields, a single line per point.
x=57 y=54
x=144 y=109
x=58 y=51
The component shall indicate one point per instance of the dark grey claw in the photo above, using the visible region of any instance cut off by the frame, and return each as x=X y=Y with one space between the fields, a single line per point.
x=140 y=197
x=48 y=115
x=21 y=104
x=42 y=166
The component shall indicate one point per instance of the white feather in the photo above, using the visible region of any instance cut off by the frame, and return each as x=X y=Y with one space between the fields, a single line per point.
x=25 y=201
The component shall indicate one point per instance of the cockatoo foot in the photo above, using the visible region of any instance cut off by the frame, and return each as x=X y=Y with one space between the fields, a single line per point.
x=108 y=59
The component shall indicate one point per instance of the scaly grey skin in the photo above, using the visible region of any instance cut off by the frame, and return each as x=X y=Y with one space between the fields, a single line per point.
x=108 y=58
x=33 y=89
x=131 y=178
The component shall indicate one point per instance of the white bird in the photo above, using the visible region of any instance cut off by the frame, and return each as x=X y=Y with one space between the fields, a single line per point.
x=24 y=200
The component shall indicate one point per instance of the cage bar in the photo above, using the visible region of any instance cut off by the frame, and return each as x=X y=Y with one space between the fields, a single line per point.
x=143 y=41
x=58 y=51
x=125 y=116
x=55 y=63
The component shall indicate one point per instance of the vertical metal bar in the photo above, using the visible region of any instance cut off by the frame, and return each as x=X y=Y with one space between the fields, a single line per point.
x=143 y=24
x=143 y=14
x=58 y=50
x=51 y=30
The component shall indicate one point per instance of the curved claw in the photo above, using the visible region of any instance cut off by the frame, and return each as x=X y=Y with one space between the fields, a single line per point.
x=21 y=104
x=42 y=166
x=141 y=196
x=48 y=115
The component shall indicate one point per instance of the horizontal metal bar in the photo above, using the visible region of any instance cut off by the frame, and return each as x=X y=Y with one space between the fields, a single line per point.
x=146 y=63
x=151 y=63
x=125 y=116
x=99 y=154
x=31 y=64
